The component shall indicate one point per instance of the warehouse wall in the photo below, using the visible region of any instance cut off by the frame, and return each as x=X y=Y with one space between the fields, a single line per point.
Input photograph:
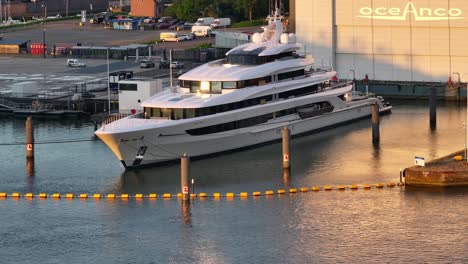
x=396 y=40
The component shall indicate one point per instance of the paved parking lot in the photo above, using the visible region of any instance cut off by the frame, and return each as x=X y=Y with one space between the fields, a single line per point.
x=69 y=31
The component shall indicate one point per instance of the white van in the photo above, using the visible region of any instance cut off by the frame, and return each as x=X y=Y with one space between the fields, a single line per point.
x=221 y=23
x=204 y=21
x=201 y=31
x=75 y=63
x=169 y=36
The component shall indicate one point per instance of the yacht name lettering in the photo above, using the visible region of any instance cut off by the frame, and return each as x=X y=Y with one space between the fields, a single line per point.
x=419 y=14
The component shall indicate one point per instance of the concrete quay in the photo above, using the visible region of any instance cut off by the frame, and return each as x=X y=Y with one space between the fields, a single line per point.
x=450 y=170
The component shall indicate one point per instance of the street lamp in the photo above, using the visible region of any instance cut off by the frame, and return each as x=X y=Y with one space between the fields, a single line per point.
x=108 y=82
x=43 y=30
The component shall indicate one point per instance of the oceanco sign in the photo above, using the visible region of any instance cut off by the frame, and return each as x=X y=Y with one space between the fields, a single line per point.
x=419 y=14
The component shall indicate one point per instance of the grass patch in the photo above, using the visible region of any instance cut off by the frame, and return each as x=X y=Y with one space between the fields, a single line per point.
x=251 y=23
x=202 y=46
x=150 y=42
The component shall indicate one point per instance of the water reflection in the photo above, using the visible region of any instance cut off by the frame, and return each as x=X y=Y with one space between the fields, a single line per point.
x=286 y=178
x=186 y=213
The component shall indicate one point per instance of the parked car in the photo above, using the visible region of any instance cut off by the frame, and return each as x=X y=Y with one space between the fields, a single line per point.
x=183 y=37
x=163 y=64
x=163 y=25
x=185 y=26
x=75 y=63
x=146 y=64
x=176 y=25
x=96 y=20
x=177 y=65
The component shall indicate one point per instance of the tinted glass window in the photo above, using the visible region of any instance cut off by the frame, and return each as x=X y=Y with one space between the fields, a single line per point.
x=128 y=86
x=229 y=85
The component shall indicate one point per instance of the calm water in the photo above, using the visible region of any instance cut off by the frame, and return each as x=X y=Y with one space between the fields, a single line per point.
x=411 y=225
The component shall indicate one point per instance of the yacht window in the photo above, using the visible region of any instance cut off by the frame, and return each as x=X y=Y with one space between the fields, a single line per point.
x=185 y=84
x=155 y=112
x=216 y=87
x=205 y=87
x=189 y=113
x=178 y=113
x=289 y=75
x=229 y=85
x=195 y=85
x=166 y=112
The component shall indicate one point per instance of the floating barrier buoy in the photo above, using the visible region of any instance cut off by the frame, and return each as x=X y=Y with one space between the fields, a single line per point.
x=243 y=194
x=458 y=158
x=390 y=184
x=328 y=188
x=293 y=190
x=29 y=195
x=152 y=196
x=202 y=195
x=216 y=195
x=353 y=187
x=69 y=196
x=379 y=185
x=367 y=186
x=110 y=196
x=269 y=192
x=315 y=188
x=84 y=196
x=42 y=196
x=15 y=195
x=97 y=196
x=304 y=189
x=3 y=195
x=138 y=196
x=230 y=195
x=166 y=195
x=341 y=187
x=179 y=195
x=281 y=192
x=256 y=193
x=124 y=196
x=56 y=195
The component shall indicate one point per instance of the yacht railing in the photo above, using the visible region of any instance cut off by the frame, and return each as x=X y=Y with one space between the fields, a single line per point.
x=113 y=118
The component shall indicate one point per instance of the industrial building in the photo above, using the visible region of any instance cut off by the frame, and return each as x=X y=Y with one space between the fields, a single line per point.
x=398 y=40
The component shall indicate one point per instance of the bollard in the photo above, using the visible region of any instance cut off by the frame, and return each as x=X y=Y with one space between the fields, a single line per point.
x=193 y=186
x=375 y=123
x=286 y=139
x=184 y=175
x=433 y=108
x=29 y=139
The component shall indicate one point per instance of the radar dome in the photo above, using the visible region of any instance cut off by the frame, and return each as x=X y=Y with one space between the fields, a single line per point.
x=292 y=38
x=256 y=38
x=284 y=38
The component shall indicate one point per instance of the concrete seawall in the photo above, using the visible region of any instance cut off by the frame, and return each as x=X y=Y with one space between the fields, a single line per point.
x=450 y=170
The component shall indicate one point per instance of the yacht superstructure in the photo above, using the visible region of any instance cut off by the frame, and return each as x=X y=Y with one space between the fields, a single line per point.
x=236 y=102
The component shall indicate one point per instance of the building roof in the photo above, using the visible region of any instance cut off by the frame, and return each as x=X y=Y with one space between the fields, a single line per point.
x=13 y=42
x=126 y=20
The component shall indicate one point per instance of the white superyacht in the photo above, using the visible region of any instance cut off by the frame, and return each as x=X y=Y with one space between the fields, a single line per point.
x=237 y=102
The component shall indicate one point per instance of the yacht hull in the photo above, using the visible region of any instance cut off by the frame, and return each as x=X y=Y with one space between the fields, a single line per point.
x=148 y=149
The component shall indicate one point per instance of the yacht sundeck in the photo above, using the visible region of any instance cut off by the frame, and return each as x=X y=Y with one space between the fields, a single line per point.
x=237 y=102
